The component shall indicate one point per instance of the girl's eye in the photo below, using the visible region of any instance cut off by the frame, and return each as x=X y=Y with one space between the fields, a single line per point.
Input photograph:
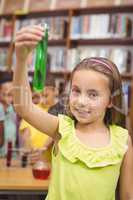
x=93 y=95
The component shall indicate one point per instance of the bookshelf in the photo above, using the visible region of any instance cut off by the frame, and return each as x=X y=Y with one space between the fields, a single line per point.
x=108 y=41
x=65 y=41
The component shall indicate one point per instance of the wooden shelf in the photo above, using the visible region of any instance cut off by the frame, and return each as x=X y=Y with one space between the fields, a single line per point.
x=4 y=43
x=41 y=13
x=68 y=73
x=127 y=76
x=86 y=42
x=104 y=9
x=61 y=42
x=105 y=41
x=59 y=73
x=47 y=13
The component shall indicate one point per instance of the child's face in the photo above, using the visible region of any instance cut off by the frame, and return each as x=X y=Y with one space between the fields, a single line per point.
x=89 y=96
x=48 y=96
x=36 y=97
x=6 y=93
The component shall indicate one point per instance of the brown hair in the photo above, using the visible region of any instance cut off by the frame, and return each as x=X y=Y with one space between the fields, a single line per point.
x=113 y=115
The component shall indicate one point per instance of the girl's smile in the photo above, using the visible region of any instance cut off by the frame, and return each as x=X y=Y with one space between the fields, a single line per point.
x=82 y=113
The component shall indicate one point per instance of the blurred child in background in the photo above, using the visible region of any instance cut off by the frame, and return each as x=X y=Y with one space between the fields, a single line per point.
x=36 y=97
x=59 y=107
x=8 y=127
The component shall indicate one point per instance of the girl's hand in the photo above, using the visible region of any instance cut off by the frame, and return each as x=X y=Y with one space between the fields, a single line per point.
x=35 y=156
x=26 y=40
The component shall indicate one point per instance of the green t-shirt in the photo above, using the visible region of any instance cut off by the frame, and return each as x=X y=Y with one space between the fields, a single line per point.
x=80 y=172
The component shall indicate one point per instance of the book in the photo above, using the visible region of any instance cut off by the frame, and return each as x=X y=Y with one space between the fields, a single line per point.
x=19 y=23
x=1 y=29
x=3 y=59
x=1 y=6
x=85 y=26
x=72 y=58
x=11 y=6
x=6 y=30
x=120 y=56
x=57 y=25
x=62 y=4
x=101 y=26
x=127 y=2
x=129 y=62
x=126 y=88
x=57 y=59
x=90 y=3
x=76 y=27
x=39 y=5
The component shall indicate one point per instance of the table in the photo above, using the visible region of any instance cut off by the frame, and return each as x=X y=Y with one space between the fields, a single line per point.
x=16 y=180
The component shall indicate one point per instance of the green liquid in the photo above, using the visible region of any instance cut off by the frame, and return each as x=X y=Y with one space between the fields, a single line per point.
x=40 y=64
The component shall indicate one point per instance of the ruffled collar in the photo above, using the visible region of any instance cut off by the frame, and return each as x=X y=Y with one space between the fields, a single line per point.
x=74 y=150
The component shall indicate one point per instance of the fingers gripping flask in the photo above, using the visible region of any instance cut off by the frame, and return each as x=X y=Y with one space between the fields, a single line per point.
x=41 y=62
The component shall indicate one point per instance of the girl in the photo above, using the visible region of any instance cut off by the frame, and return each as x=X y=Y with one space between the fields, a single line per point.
x=91 y=150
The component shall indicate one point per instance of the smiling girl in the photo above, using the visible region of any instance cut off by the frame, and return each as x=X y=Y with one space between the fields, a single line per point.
x=91 y=149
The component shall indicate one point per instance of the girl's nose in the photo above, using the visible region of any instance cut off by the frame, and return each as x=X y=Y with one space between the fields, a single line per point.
x=82 y=100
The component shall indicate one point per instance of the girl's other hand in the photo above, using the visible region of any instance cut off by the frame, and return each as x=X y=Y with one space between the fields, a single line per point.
x=26 y=40
x=35 y=156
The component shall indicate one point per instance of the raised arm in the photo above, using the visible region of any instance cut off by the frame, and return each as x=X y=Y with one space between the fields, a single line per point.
x=126 y=176
x=26 y=40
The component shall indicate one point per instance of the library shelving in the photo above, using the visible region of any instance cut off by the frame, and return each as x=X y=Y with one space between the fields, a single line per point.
x=64 y=40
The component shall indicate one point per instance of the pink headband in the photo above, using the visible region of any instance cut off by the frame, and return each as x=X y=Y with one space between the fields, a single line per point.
x=101 y=62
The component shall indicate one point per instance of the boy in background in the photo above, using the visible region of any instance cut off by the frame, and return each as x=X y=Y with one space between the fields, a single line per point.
x=34 y=139
x=8 y=118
